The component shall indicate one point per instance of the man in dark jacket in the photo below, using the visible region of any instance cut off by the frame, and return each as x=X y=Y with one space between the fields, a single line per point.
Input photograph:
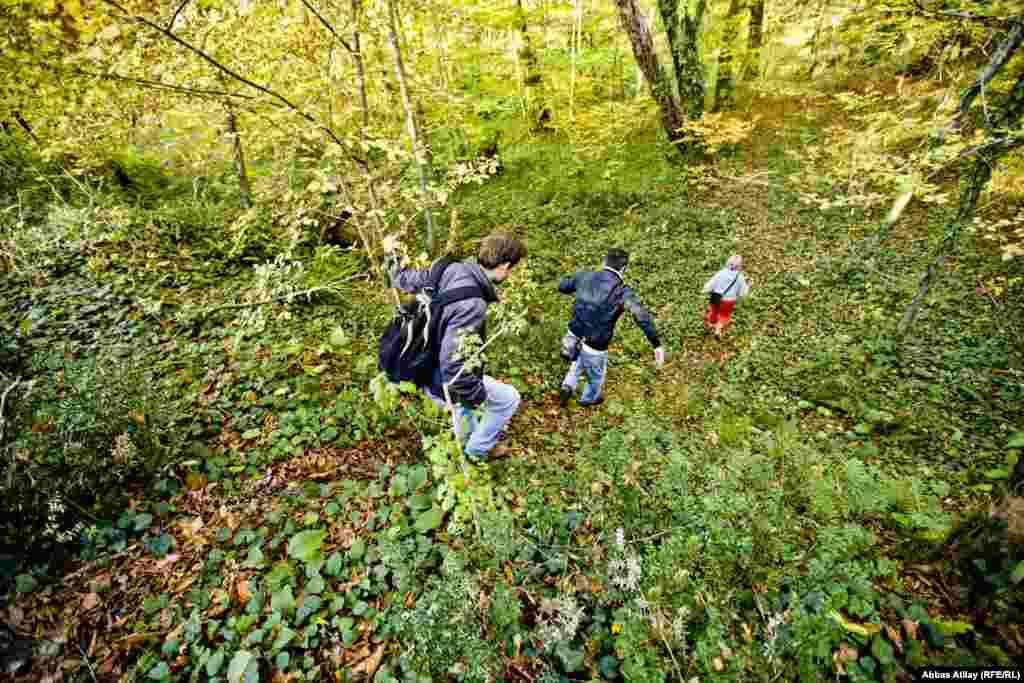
x=498 y=254
x=601 y=297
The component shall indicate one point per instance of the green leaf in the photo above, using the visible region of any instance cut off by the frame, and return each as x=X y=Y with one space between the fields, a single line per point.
x=281 y=572
x=251 y=434
x=282 y=660
x=316 y=585
x=338 y=338
x=417 y=477
x=998 y=473
x=214 y=663
x=143 y=521
x=254 y=558
x=160 y=672
x=283 y=638
x=358 y=549
x=244 y=668
x=1016 y=440
x=334 y=564
x=1018 y=573
x=429 y=520
x=25 y=583
x=282 y=600
x=305 y=545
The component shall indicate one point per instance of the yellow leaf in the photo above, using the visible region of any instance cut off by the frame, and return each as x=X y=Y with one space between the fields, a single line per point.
x=866 y=630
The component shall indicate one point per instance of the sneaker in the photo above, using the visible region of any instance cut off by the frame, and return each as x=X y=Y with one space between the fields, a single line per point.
x=597 y=402
x=564 y=394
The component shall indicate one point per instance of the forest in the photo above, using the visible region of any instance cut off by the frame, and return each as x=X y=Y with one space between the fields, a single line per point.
x=205 y=476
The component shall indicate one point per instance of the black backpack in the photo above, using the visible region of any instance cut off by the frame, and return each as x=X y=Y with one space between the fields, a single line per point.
x=411 y=344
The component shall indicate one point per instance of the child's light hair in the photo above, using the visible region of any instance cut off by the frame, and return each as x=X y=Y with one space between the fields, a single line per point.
x=735 y=262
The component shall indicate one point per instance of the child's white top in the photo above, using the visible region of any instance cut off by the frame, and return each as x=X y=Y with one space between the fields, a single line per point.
x=721 y=281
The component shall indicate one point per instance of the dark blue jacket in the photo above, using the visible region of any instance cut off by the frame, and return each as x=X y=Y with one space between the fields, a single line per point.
x=601 y=297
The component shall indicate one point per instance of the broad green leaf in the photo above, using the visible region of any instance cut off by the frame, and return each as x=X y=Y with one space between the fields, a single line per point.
x=1016 y=440
x=429 y=520
x=1018 y=573
x=214 y=663
x=417 y=477
x=254 y=558
x=282 y=660
x=244 y=668
x=305 y=545
x=358 y=549
x=251 y=434
x=334 y=564
x=143 y=521
x=316 y=585
x=282 y=600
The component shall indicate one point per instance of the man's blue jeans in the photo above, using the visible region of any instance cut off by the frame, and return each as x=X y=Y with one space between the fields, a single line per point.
x=595 y=364
x=499 y=407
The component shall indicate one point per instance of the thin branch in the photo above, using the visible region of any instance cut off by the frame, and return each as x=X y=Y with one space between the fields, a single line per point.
x=201 y=92
x=174 y=17
x=286 y=297
x=327 y=26
x=213 y=62
x=967 y=16
x=999 y=59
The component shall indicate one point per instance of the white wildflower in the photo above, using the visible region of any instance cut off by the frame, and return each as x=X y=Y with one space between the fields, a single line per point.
x=620 y=538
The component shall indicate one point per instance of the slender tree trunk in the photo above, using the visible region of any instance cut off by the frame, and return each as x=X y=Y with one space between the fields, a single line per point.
x=725 y=84
x=364 y=105
x=410 y=122
x=643 y=50
x=244 y=191
x=1008 y=118
x=755 y=39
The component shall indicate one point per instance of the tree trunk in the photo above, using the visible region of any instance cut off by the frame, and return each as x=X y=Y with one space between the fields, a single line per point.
x=244 y=191
x=660 y=83
x=725 y=84
x=683 y=29
x=1008 y=118
x=755 y=40
x=410 y=122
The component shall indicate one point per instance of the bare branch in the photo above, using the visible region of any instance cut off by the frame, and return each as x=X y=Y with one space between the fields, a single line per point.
x=213 y=62
x=999 y=59
x=326 y=25
x=945 y=15
x=174 y=17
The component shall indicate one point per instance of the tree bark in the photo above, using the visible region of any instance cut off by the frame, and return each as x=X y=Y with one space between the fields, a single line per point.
x=755 y=40
x=410 y=122
x=725 y=84
x=244 y=191
x=683 y=29
x=643 y=50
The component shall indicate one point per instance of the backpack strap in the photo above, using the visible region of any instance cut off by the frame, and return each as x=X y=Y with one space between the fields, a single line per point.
x=451 y=296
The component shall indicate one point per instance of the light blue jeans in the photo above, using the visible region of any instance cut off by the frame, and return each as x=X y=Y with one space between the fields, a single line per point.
x=595 y=364
x=480 y=436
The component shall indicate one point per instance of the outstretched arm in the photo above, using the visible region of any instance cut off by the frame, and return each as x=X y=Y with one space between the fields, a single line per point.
x=406 y=279
x=642 y=317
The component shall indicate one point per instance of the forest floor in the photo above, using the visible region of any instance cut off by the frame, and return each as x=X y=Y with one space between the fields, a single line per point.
x=806 y=453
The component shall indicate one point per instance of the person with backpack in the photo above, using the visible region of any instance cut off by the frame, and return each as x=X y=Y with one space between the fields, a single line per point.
x=601 y=298
x=724 y=289
x=423 y=344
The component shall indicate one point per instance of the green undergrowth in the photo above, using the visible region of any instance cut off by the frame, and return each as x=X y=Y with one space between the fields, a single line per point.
x=750 y=512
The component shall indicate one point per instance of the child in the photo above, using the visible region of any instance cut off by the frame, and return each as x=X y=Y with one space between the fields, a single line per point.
x=725 y=289
x=601 y=297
